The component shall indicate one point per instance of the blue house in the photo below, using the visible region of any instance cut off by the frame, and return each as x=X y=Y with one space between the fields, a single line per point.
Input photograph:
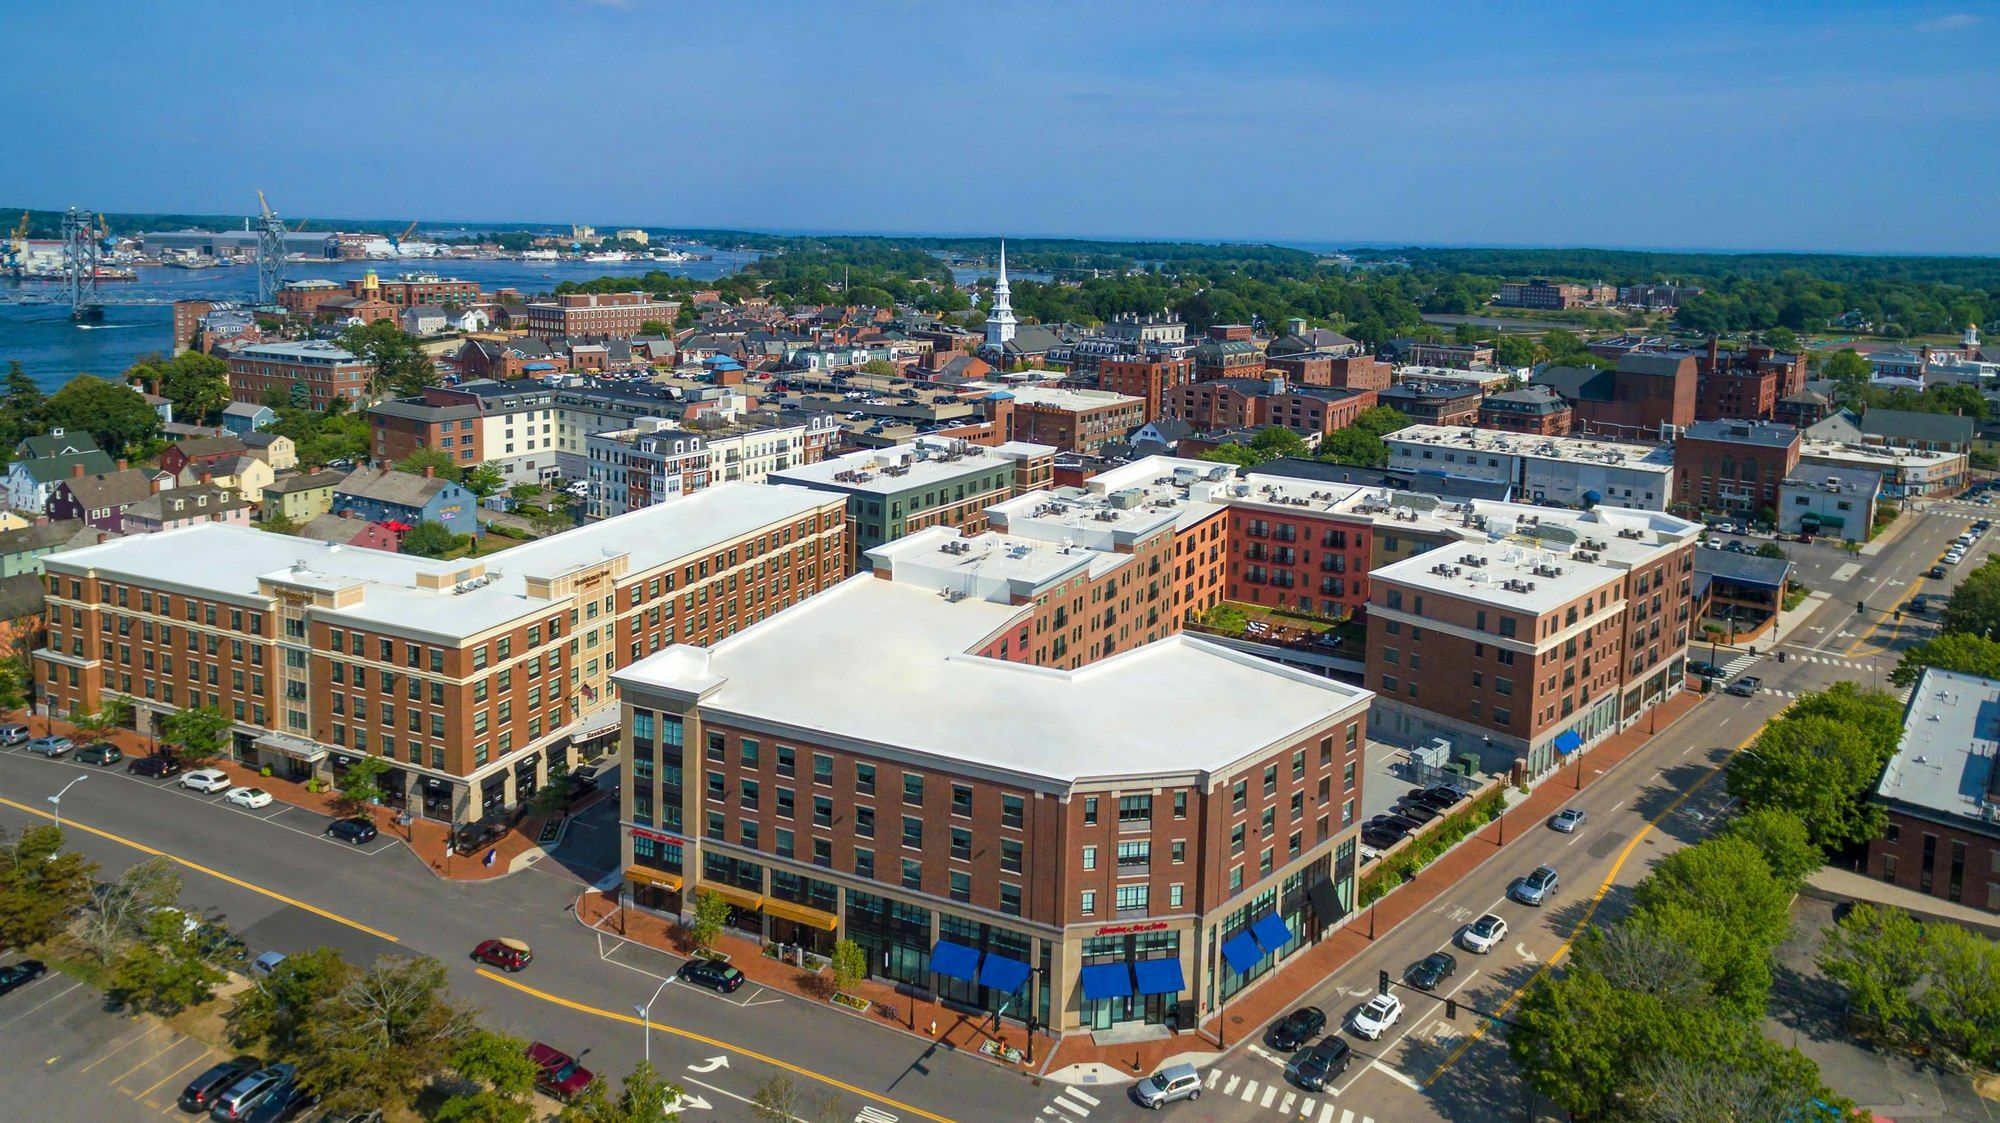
x=388 y=496
x=239 y=418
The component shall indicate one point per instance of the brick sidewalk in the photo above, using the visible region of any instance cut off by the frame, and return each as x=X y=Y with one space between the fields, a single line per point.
x=1244 y=1015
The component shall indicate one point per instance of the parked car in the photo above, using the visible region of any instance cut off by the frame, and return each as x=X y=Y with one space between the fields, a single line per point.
x=1702 y=668
x=1537 y=887
x=1297 y=1028
x=285 y=1102
x=1428 y=972
x=201 y=1092
x=557 y=1073
x=1568 y=819
x=711 y=973
x=1170 y=1084
x=1314 y=1068
x=252 y=798
x=158 y=765
x=1443 y=797
x=1744 y=687
x=103 y=754
x=51 y=747
x=236 y=1101
x=15 y=976
x=267 y=962
x=1397 y=822
x=14 y=734
x=209 y=780
x=506 y=954
x=356 y=830
x=1419 y=812
x=1377 y=1015
x=1484 y=934
x=1380 y=837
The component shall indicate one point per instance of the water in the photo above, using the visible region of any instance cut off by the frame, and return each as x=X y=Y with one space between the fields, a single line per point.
x=53 y=350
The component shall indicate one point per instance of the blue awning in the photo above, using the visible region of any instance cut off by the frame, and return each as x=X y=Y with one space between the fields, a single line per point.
x=955 y=961
x=1241 y=951
x=1106 y=980
x=1271 y=932
x=1568 y=741
x=1002 y=974
x=1159 y=976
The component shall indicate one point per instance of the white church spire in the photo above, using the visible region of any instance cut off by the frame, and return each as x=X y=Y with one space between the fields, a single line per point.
x=1000 y=321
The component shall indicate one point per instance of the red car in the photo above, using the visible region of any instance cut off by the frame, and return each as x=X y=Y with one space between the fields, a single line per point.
x=559 y=1075
x=508 y=955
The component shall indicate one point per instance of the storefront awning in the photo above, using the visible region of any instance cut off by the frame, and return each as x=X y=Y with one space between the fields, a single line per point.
x=1241 y=951
x=741 y=898
x=785 y=910
x=1272 y=932
x=1002 y=973
x=1159 y=976
x=654 y=877
x=955 y=961
x=1568 y=741
x=1106 y=980
x=299 y=748
x=1325 y=903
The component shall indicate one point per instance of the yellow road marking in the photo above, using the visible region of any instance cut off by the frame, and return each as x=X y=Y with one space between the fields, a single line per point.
x=713 y=1042
x=214 y=873
x=1479 y=1030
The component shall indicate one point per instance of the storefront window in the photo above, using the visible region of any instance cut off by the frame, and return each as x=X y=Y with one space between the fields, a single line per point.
x=897 y=936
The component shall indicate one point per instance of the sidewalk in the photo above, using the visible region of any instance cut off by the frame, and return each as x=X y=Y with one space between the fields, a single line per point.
x=1830 y=884
x=1077 y=1058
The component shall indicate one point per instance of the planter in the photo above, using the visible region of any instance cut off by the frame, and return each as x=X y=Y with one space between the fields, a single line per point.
x=711 y=953
x=860 y=1005
x=1006 y=1053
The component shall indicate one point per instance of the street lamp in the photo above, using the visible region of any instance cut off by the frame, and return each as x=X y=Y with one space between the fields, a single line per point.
x=57 y=798
x=646 y=1014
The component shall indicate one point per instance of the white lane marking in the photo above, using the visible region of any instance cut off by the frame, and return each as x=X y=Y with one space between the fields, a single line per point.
x=1270 y=1093
x=1229 y=1089
x=1286 y=1106
x=1082 y=1095
x=1214 y=1074
x=1346 y=1116
x=1073 y=1109
x=1396 y=1076
x=1249 y=1091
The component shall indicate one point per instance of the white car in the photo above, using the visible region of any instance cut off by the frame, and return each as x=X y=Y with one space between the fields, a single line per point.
x=249 y=797
x=207 y=780
x=1380 y=1013
x=1484 y=934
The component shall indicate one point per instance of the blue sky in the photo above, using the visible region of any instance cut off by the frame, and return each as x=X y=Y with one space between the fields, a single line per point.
x=1848 y=126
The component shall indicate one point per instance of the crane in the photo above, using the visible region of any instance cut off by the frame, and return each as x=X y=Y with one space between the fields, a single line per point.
x=270 y=252
x=405 y=235
x=16 y=256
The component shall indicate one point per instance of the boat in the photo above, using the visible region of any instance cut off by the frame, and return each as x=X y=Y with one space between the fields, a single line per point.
x=608 y=256
x=538 y=255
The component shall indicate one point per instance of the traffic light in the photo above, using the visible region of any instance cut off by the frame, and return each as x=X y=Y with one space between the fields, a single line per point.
x=1383 y=983
x=1861 y=606
x=1451 y=1008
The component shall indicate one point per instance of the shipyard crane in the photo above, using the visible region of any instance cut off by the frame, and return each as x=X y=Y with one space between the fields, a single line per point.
x=270 y=252
x=16 y=258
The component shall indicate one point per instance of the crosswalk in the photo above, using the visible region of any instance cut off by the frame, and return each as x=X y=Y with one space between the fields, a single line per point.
x=1075 y=1104
x=1278 y=1097
x=1735 y=666
x=1901 y=694
x=1828 y=661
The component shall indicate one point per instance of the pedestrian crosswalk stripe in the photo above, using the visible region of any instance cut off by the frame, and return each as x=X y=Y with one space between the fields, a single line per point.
x=1286 y=1107
x=1249 y=1091
x=1345 y=1115
x=1082 y=1095
x=1270 y=1093
x=1306 y=1108
x=1229 y=1089
x=1215 y=1074
x=1071 y=1108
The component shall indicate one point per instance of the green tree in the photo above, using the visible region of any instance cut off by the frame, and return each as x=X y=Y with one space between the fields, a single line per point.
x=1721 y=899
x=116 y=416
x=1781 y=838
x=779 y=1100
x=361 y=784
x=644 y=1098
x=113 y=713
x=1771 y=550
x=850 y=964
x=279 y=523
x=430 y=540
x=272 y=1014
x=198 y=734
x=1877 y=955
x=384 y=1035
x=168 y=970
x=13 y=685
x=501 y=1078
x=1353 y=446
x=41 y=887
x=1961 y=1006
x=197 y=384
x=483 y=480
x=437 y=460
x=525 y=492
x=711 y=912
x=1514 y=350
x=1782 y=339
x=118 y=911
x=1577 y=1039
x=1963 y=652
x=398 y=366
x=1849 y=372
x=880 y=368
x=1241 y=455
x=1819 y=769
x=1974 y=607
x=655 y=327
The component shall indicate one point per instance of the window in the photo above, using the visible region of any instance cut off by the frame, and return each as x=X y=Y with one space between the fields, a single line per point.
x=864 y=822
x=1010 y=856
x=787 y=760
x=864 y=862
x=1090 y=857
x=1174 y=896
x=1134 y=855
x=913 y=874
x=961 y=886
x=961 y=799
x=961 y=844
x=1088 y=904
x=822 y=768
x=1134 y=810
x=1180 y=805
x=864 y=779
x=1132 y=898
x=1239 y=795
x=748 y=795
x=1236 y=840
x=1011 y=808
x=1090 y=811
x=822 y=811
x=913 y=832
x=1270 y=779
x=1010 y=899
x=749 y=753
x=913 y=788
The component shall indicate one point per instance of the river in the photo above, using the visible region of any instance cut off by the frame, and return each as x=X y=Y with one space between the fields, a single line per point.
x=53 y=350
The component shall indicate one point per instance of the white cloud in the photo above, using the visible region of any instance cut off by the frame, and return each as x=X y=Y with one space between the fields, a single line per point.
x=1957 y=21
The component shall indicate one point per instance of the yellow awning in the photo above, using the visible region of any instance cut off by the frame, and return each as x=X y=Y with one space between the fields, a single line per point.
x=825 y=921
x=653 y=877
x=741 y=898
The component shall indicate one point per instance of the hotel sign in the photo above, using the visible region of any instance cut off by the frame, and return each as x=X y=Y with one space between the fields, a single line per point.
x=1128 y=929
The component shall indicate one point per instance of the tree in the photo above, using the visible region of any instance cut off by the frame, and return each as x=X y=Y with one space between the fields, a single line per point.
x=483 y=480
x=1355 y=447
x=1771 y=550
x=1849 y=372
x=113 y=713
x=1820 y=767
x=1961 y=1006
x=644 y=1098
x=655 y=327
x=168 y=970
x=711 y=912
x=525 y=492
x=1577 y=1038
x=41 y=887
x=399 y=366
x=116 y=416
x=196 y=383
x=271 y=1016
x=1781 y=838
x=1782 y=339
x=436 y=459
x=850 y=964
x=880 y=368
x=1644 y=960
x=1950 y=651
x=1514 y=350
x=1740 y=1075
x=430 y=540
x=1877 y=955
x=118 y=911
x=501 y=1075
x=779 y=1100
x=13 y=685
x=360 y=784
x=199 y=734
x=1974 y=607
x=1720 y=898
x=383 y=1036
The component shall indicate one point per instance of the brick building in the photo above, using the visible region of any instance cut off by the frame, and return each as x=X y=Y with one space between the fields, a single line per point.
x=1246 y=403
x=311 y=374
x=1154 y=378
x=1433 y=402
x=1747 y=384
x=509 y=425
x=467 y=679
x=1079 y=421
x=929 y=482
x=1643 y=395
x=187 y=322
x=1733 y=466
x=1942 y=793
x=1531 y=409
x=1543 y=293
x=597 y=315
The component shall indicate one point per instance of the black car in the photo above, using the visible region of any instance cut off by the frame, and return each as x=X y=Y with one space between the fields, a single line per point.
x=287 y=1101
x=1433 y=969
x=159 y=765
x=1398 y=822
x=712 y=973
x=1382 y=838
x=200 y=1093
x=1935 y=573
x=1314 y=1068
x=582 y=782
x=1444 y=797
x=1418 y=811
x=356 y=830
x=1297 y=1028
x=103 y=754
x=21 y=974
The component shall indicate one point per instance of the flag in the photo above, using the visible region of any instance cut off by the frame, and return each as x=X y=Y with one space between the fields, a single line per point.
x=490 y=856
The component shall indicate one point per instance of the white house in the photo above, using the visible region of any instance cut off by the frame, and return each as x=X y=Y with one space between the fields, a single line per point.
x=424 y=319
x=471 y=319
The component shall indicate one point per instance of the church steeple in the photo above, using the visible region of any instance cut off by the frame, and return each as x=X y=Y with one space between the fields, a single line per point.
x=1000 y=321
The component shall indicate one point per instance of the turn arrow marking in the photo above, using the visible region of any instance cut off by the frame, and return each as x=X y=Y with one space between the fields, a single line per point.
x=709 y=1065
x=686 y=1102
x=1525 y=953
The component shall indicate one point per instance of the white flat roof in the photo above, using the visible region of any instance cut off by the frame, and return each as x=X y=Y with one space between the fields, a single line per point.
x=990 y=566
x=1537 y=558
x=230 y=560
x=1062 y=398
x=1951 y=733
x=917 y=464
x=1882 y=455
x=884 y=663
x=1627 y=455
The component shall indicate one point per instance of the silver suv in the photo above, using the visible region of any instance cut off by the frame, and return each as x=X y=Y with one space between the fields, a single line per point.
x=1174 y=1082
x=1536 y=887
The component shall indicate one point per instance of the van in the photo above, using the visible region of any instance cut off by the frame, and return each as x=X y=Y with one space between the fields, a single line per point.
x=245 y=1093
x=1170 y=1084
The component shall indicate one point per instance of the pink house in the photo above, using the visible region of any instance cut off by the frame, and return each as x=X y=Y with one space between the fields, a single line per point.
x=186 y=506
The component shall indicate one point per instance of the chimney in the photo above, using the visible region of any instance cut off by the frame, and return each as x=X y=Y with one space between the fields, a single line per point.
x=156 y=485
x=76 y=471
x=100 y=537
x=123 y=464
x=430 y=471
x=206 y=476
x=1714 y=349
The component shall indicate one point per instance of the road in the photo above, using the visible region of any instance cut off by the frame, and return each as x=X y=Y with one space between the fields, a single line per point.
x=280 y=884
